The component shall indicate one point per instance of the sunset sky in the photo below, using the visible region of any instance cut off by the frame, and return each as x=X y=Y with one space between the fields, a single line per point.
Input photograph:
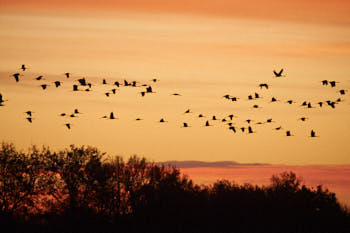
x=200 y=48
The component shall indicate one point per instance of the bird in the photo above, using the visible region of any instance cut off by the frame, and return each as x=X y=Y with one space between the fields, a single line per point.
x=75 y=87
x=143 y=93
x=234 y=99
x=133 y=83
x=29 y=119
x=138 y=119
x=242 y=129
x=279 y=74
x=256 y=95
x=273 y=99
x=255 y=106
x=304 y=103
x=248 y=121
x=23 y=67
x=269 y=120
x=107 y=94
x=126 y=83
x=214 y=118
x=90 y=85
x=114 y=91
x=227 y=96
x=200 y=115
x=29 y=113
x=332 y=83
x=68 y=125
x=43 y=86
x=331 y=103
x=288 y=134
x=63 y=114
x=290 y=101
x=162 y=120
x=250 y=97
x=72 y=115
x=278 y=128
x=67 y=74
x=188 y=111
x=250 y=130
x=185 y=125
x=313 y=134
x=324 y=82
x=39 y=78
x=320 y=103
x=309 y=105
x=76 y=111
x=303 y=118
x=232 y=128
x=16 y=76
x=57 y=83
x=117 y=83
x=1 y=100
x=176 y=94
x=207 y=123
x=149 y=89
x=338 y=100
x=82 y=81
x=231 y=116
x=261 y=85
x=111 y=116
x=154 y=80
x=104 y=81
x=342 y=92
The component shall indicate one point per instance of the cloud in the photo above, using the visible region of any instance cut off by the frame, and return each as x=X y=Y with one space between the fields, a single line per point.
x=197 y=164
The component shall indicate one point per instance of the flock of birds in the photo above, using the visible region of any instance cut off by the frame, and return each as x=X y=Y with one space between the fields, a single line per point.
x=83 y=85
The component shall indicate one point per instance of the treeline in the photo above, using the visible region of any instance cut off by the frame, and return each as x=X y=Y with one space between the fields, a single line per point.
x=80 y=189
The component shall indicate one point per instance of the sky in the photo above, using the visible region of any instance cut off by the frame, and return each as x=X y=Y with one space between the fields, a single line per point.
x=200 y=49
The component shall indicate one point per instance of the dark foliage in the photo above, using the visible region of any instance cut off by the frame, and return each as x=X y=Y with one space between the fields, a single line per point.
x=79 y=190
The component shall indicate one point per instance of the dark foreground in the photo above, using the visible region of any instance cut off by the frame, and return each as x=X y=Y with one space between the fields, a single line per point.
x=79 y=190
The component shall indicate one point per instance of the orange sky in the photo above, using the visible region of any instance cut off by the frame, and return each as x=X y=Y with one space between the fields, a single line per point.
x=325 y=11
x=202 y=49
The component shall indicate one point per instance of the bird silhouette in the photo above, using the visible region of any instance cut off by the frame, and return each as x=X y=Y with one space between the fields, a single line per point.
x=264 y=85
x=231 y=116
x=278 y=128
x=23 y=67
x=68 y=125
x=324 y=82
x=76 y=111
x=290 y=101
x=188 y=111
x=82 y=81
x=1 y=100
x=16 y=76
x=288 y=133
x=63 y=114
x=149 y=89
x=29 y=113
x=331 y=103
x=126 y=83
x=248 y=121
x=255 y=106
x=138 y=119
x=269 y=120
x=44 y=86
x=227 y=96
x=200 y=115
x=67 y=74
x=250 y=130
x=214 y=118
x=176 y=94
x=256 y=95
x=107 y=94
x=111 y=116
x=304 y=103
x=185 y=125
x=143 y=93
x=114 y=91
x=313 y=134
x=242 y=129
x=320 y=103
x=342 y=92
x=29 y=119
x=154 y=80
x=232 y=128
x=104 y=81
x=273 y=99
x=250 y=97
x=57 y=83
x=303 y=118
x=162 y=120
x=234 y=99
x=75 y=87
x=309 y=105
x=39 y=78
x=279 y=74
x=207 y=123
x=333 y=83
x=117 y=83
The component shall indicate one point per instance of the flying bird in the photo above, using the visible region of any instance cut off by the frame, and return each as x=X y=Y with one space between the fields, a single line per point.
x=207 y=123
x=67 y=74
x=185 y=125
x=250 y=130
x=57 y=83
x=23 y=67
x=68 y=125
x=176 y=94
x=43 y=86
x=162 y=120
x=333 y=83
x=279 y=74
x=313 y=134
x=16 y=76
x=288 y=134
x=29 y=119
x=39 y=78
x=104 y=81
x=29 y=113
x=264 y=85
x=75 y=87
x=324 y=82
x=342 y=92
